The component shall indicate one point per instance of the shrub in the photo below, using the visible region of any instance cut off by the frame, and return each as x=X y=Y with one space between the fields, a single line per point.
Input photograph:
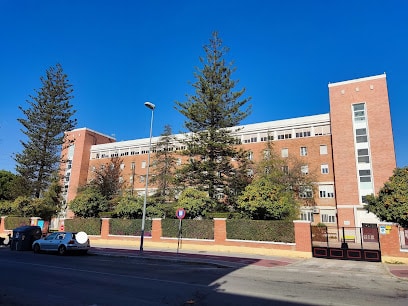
x=91 y=226
x=261 y=230
x=199 y=229
x=130 y=227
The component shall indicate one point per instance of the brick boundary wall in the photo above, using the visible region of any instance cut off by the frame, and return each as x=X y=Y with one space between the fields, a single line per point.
x=390 y=243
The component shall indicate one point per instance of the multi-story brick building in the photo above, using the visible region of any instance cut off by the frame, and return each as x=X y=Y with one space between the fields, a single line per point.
x=350 y=150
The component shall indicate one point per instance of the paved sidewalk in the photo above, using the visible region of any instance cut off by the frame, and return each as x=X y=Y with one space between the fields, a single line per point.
x=226 y=259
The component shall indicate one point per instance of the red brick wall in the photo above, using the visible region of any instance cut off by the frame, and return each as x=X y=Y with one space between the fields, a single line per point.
x=372 y=91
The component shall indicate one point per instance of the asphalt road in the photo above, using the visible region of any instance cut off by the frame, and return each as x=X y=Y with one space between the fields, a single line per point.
x=46 y=279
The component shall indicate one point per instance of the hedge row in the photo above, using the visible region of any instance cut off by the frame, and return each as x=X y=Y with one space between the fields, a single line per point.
x=239 y=229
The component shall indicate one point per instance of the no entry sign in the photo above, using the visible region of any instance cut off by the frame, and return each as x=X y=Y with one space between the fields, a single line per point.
x=181 y=213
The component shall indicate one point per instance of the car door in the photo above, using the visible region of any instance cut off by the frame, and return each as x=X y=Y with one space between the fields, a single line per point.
x=48 y=242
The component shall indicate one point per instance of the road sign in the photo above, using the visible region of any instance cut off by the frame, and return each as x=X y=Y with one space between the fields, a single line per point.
x=181 y=213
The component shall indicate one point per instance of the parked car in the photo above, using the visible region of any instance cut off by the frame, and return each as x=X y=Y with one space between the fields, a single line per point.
x=63 y=242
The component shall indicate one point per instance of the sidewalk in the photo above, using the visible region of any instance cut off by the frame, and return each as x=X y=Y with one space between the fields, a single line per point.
x=227 y=257
x=169 y=252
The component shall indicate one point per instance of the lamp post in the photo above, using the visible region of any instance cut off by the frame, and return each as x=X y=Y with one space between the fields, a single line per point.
x=151 y=106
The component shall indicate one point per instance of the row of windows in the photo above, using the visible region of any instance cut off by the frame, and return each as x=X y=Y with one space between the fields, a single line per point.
x=324 y=217
x=298 y=133
x=325 y=192
x=304 y=151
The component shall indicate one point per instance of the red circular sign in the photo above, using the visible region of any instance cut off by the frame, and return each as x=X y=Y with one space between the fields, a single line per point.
x=181 y=213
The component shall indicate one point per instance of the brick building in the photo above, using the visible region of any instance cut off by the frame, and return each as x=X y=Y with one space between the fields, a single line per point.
x=350 y=150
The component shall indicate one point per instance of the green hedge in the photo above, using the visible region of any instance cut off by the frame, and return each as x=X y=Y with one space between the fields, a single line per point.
x=11 y=222
x=261 y=230
x=199 y=229
x=132 y=227
x=91 y=226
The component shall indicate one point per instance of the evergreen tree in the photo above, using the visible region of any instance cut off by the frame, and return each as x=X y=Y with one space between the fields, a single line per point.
x=47 y=118
x=164 y=165
x=211 y=113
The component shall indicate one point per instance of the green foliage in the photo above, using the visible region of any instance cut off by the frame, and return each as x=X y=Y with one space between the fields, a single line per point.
x=164 y=167
x=107 y=178
x=46 y=120
x=391 y=204
x=265 y=200
x=13 y=222
x=259 y=230
x=131 y=227
x=6 y=185
x=196 y=229
x=196 y=203
x=91 y=226
x=89 y=203
x=6 y=208
x=211 y=112
x=129 y=207
x=24 y=207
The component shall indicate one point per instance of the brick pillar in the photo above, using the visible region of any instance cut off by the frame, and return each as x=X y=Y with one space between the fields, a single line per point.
x=390 y=240
x=105 y=228
x=303 y=236
x=220 y=230
x=2 y=225
x=156 y=229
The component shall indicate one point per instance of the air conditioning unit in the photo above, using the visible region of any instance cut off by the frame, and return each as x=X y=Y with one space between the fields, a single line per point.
x=316 y=210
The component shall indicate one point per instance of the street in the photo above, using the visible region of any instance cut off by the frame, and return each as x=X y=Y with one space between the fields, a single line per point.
x=48 y=279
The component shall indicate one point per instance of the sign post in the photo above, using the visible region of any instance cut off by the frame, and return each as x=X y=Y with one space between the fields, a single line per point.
x=180 y=214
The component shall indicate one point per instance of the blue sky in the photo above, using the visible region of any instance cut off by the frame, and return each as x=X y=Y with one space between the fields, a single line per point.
x=119 y=54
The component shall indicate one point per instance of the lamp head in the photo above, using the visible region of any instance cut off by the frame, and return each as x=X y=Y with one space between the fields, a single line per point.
x=150 y=105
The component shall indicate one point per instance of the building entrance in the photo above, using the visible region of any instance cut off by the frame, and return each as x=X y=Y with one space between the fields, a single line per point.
x=349 y=243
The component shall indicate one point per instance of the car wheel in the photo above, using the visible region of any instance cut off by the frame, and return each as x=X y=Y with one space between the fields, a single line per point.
x=62 y=250
x=36 y=248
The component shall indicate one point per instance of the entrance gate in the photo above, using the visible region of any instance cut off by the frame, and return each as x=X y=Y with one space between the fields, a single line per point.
x=353 y=243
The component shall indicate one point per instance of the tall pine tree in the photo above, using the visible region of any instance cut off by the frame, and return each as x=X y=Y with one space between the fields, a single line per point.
x=211 y=112
x=47 y=118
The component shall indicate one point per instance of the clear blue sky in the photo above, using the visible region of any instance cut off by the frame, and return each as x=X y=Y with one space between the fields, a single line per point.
x=119 y=54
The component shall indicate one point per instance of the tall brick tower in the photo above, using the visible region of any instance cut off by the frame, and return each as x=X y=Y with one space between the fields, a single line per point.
x=74 y=172
x=362 y=143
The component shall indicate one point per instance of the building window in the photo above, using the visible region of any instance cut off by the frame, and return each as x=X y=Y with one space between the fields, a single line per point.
x=304 y=169
x=305 y=192
x=178 y=162
x=132 y=166
x=142 y=178
x=143 y=164
x=285 y=152
x=306 y=216
x=267 y=154
x=285 y=169
x=250 y=155
x=122 y=166
x=328 y=218
x=303 y=151
x=365 y=175
x=323 y=149
x=361 y=135
x=359 y=112
x=267 y=138
x=302 y=133
x=363 y=156
x=326 y=191
x=324 y=168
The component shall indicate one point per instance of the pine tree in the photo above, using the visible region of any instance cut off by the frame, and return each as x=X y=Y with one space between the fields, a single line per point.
x=164 y=164
x=211 y=113
x=47 y=118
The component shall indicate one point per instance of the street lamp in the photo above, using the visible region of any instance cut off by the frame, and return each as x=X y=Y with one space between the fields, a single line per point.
x=151 y=106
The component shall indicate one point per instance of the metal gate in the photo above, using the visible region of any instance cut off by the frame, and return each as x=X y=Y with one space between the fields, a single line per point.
x=352 y=243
